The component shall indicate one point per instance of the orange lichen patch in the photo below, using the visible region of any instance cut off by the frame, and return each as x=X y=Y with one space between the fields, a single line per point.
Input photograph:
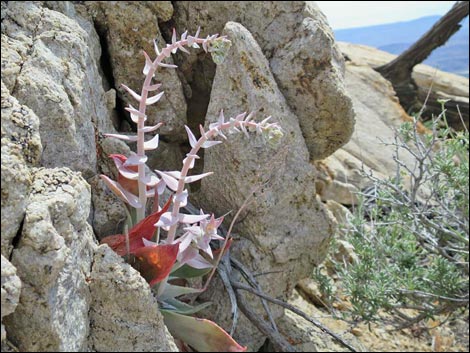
x=419 y=126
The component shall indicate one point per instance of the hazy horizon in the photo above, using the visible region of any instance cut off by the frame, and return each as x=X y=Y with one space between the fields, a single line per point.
x=347 y=14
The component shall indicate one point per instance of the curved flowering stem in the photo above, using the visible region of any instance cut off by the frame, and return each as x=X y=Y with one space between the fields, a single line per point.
x=149 y=71
x=273 y=130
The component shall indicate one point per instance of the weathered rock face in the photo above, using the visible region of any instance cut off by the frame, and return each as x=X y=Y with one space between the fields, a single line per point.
x=53 y=259
x=21 y=148
x=124 y=314
x=11 y=287
x=126 y=37
x=77 y=296
x=53 y=70
x=378 y=114
x=286 y=229
x=304 y=60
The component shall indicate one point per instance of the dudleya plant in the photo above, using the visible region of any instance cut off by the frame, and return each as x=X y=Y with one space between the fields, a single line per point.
x=152 y=245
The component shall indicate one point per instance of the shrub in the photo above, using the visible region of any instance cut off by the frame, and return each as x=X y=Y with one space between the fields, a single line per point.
x=411 y=232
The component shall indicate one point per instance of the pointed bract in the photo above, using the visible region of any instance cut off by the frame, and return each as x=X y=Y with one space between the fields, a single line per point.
x=194 y=178
x=129 y=138
x=151 y=128
x=121 y=193
x=191 y=137
x=151 y=144
x=136 y=96
x=154 y=99
x=148 y=64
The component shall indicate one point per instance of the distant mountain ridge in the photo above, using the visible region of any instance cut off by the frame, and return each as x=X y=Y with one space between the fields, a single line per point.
x=397 y=37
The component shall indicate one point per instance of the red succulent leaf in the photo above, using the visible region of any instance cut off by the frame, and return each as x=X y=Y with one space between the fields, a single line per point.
x=154 y=262
x=144 y=229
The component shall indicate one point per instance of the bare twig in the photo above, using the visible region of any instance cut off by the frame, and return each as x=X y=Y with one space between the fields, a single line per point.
x=279 y=342
x=238 y=285
x=252 y=280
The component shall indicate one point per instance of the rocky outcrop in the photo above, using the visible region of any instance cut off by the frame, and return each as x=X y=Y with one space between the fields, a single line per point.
x=52 y=69
x=53 y=259
x=124 y=314
x=286 y=229
x=378 y=115
x=11 y=288
x=58 y=59
x=303 y=58
x=21 y=148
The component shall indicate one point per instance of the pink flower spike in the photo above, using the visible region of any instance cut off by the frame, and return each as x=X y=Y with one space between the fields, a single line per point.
x=135 y=160
x=151 y=128
x=151 y=144
x=171 y=182
x=183 y=36
x=189 y=218
x=204 y=45
x=131 y=92
x=154 y=99
x=122 y=137
x=173 y=37
x=192 y=139
x=148 y=64
x=193 y=178
x=121 y=193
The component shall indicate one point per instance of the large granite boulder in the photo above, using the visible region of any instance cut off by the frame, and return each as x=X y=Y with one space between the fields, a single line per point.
x=298 y=43
x=285 y=230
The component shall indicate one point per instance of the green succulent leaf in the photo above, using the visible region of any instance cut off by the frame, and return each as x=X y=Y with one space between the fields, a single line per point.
x=201 y=334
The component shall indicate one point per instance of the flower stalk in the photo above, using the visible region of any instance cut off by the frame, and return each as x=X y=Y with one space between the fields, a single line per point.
x=179 y=256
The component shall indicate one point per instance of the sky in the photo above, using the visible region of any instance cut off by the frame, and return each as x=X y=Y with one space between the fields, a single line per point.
x=349 y=14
